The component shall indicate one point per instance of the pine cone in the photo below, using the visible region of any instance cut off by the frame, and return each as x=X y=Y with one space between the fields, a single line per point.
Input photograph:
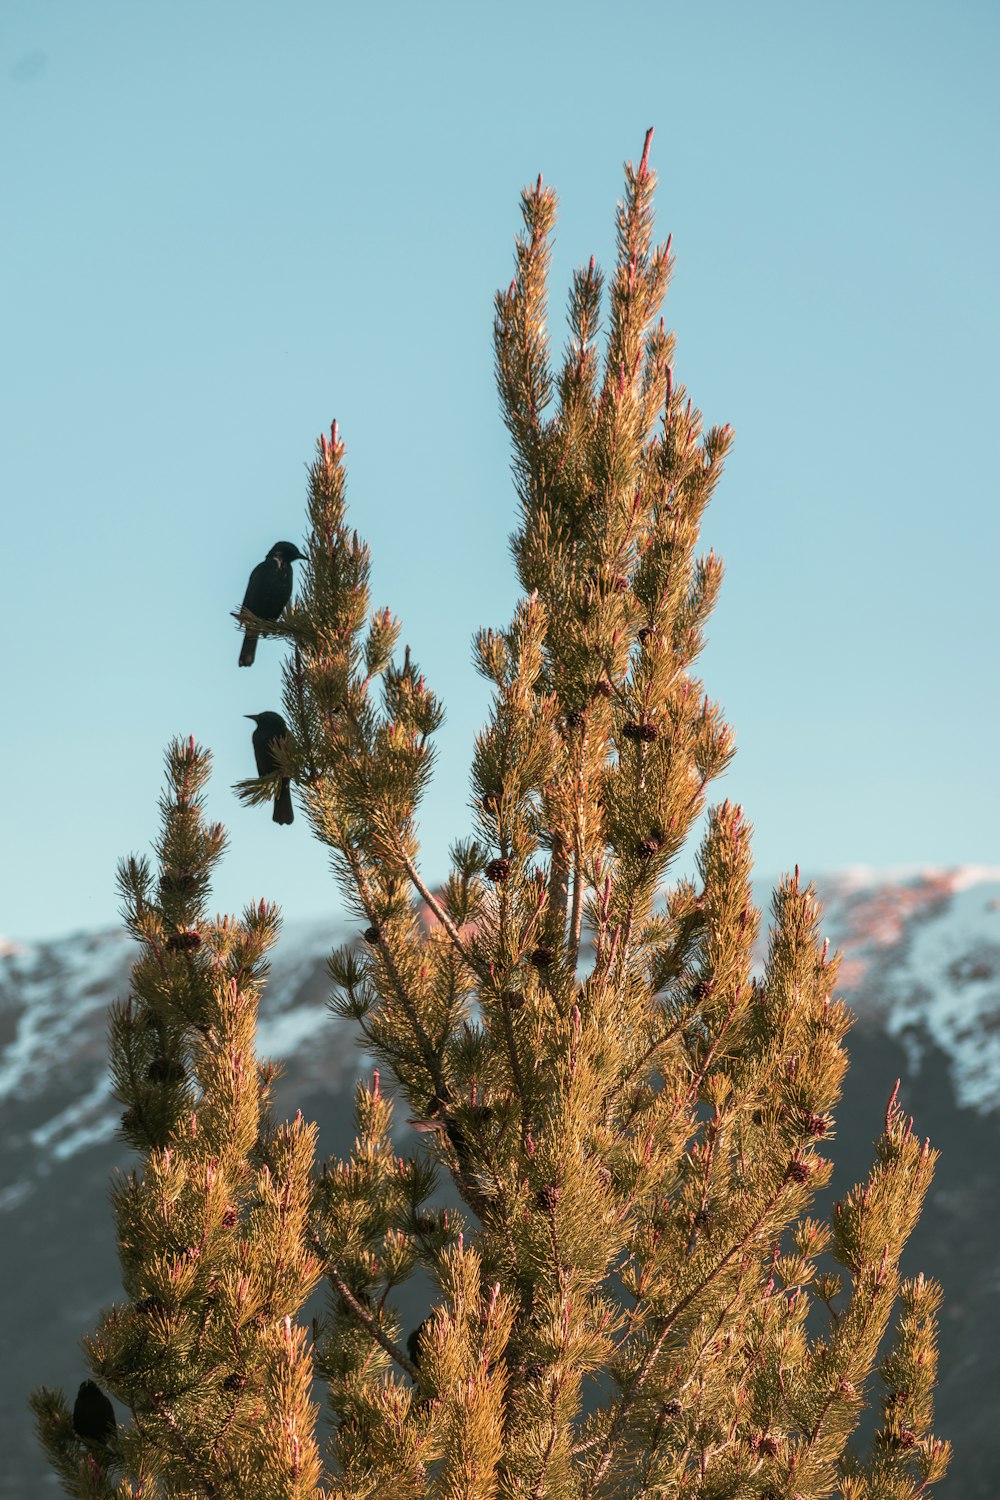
x=541 y=956
x=815 y=1125
x=576 y=718
x=371 y=934
x=547 y=1197
x=512 y=999
x=497 y=870
x=643 y=731
x=798 y=1171
x=184 y=942
x=162 y=1070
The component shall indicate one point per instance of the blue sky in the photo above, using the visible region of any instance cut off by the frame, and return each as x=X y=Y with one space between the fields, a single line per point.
x=228 y=224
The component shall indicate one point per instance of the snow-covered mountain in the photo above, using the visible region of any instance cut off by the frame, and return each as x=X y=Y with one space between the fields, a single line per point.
x=922 y=957
x=921 y=968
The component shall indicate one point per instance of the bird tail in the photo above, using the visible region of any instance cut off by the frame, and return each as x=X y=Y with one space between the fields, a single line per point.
x=249 y=648
x=283 y=803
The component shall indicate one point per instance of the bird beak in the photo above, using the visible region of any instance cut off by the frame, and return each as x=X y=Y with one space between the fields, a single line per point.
x=255 y=717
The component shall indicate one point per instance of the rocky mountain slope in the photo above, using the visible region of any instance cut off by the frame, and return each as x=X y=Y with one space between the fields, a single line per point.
x=922 y=971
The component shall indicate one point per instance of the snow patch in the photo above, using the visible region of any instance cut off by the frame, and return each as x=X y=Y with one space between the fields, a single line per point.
x=83 y=1123
x=12 y=1196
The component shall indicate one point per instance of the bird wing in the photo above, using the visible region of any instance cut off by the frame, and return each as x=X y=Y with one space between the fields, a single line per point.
x=269 y=589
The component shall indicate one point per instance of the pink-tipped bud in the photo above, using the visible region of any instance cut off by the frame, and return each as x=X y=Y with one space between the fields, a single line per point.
x=891 y=1106
x=591 y=267
x=375 y=1084
x=644 y=163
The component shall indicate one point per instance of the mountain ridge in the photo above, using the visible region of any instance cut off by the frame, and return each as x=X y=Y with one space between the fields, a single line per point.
x=921 y=970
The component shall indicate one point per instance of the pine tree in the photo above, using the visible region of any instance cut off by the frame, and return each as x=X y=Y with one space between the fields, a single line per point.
x=630 y=1297
x=213 y=1232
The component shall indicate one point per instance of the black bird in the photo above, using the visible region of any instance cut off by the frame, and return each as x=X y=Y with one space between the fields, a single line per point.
x=268 y=591
x=93 y=1414
x=271 y=727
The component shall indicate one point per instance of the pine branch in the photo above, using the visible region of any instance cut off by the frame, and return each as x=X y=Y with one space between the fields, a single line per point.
x=430 y=1057
x=441 y=915
x=627 y=1402
x=362 y=1316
